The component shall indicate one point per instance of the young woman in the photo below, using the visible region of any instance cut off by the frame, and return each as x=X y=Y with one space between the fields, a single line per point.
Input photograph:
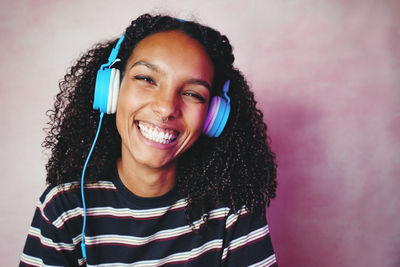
x=169 y=182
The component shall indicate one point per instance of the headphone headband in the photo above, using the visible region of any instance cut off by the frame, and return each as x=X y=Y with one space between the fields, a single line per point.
x=112 y=58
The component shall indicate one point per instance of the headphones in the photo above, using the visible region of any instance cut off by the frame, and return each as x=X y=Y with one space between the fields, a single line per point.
x=107 y=90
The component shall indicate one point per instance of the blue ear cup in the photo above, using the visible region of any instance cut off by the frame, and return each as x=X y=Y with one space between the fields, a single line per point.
x=107 y=84
x=106 y=90
x=218 y=113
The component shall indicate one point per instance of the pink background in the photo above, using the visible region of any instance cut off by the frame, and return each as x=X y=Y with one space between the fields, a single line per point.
x=325 y=73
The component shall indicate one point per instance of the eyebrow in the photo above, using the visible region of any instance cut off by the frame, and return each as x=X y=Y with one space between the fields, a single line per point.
x=200 y=82
x=148 y=65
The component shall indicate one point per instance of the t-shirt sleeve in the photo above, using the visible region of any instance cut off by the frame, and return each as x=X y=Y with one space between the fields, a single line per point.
x=49 y=244
x=247 y=241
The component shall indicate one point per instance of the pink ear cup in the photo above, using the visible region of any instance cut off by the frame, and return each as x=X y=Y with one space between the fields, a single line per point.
x=221 y=119
x=212 y=114
x=218 y=113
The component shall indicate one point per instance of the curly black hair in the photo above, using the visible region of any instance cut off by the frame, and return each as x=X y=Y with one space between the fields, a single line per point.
x=238 y=168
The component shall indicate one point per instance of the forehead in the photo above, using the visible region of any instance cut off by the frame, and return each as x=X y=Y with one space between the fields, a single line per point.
x=173 y=49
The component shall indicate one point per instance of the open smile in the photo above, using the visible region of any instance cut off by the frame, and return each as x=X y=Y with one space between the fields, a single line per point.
x=157 y=134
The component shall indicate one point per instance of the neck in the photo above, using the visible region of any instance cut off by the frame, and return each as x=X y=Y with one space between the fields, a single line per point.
x=145 y=181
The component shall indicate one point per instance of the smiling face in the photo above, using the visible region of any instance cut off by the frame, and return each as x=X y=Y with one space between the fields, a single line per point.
x=167 y=78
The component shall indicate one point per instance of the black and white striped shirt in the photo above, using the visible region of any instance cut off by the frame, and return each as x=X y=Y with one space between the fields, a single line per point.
x=127 y=230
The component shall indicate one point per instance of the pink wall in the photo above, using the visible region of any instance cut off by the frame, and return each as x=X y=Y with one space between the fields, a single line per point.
x=326 y=74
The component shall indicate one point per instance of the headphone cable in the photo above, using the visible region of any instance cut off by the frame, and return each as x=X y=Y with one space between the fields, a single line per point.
x=83 y=245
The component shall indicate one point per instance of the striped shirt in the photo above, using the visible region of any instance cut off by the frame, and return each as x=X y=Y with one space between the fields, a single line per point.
x=127 y=230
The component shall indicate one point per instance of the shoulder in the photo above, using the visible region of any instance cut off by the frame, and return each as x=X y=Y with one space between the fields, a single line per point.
x=58 y=199
x=63 y=202
x=240 y=222
x=247 y=233
x=245 y=220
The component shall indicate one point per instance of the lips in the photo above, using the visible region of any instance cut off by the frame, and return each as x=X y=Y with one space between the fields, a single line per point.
x=157 y=134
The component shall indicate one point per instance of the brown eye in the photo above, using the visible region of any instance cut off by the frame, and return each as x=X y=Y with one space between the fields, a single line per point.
x=145 y=79
x=195 y=96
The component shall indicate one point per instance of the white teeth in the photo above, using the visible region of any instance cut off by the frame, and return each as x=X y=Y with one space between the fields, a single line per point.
x=151 y=132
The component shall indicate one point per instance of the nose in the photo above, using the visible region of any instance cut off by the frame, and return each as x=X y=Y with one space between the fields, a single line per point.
x=166 y=104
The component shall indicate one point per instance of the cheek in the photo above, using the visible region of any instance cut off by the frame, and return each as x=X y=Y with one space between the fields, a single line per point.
x=119 y=118
x=196 y=118
x=125 y=108
x=129 y=101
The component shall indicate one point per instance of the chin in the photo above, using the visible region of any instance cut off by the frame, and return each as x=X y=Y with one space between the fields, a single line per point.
x=155 y=163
